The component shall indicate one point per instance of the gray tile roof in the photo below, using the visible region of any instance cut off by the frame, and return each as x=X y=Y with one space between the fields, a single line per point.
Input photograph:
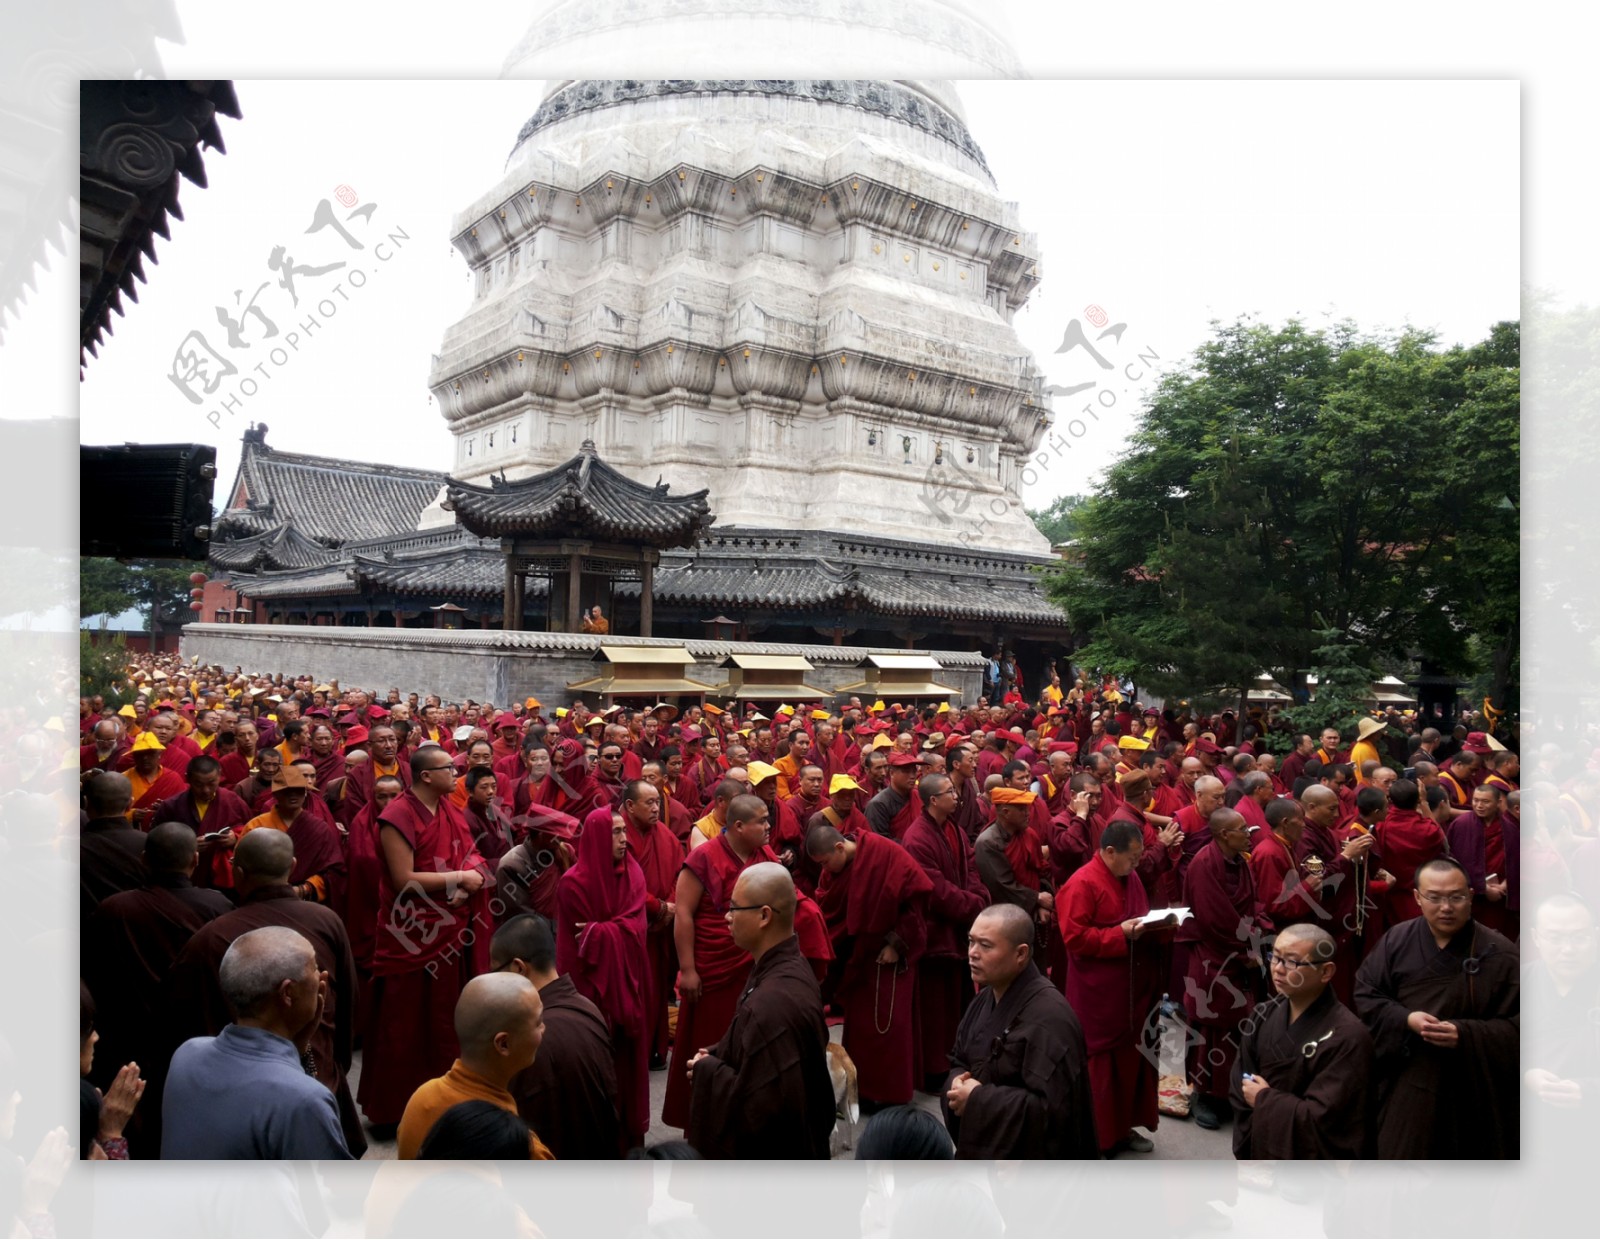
x=585 y=495
x=279 y=547
x=471 y=574
x=325 y=498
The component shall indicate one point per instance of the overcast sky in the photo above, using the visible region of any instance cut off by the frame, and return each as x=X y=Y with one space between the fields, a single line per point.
x=1166 y=203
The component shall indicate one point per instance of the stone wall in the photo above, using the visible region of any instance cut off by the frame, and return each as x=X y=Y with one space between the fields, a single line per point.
x=487 y=665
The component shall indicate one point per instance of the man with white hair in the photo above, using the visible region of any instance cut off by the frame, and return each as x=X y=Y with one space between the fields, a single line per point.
x=245 y=1093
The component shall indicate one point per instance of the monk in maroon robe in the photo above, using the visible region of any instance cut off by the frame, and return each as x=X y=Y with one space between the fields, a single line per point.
x=491 y=828
x=237 y=762
x=383 y=748
x=152 y=783
x=882 y=894
x=660 y=856
x=319 y=862
x=108 y=746
x=1478 y=840
x=944 y=979
x=207 y=809
x=262 y=864
x=1332 y=863
x=1285 y=898
x=1223 y=965
x=571 y=788
x=364 y=876
x=1113 y=978
x=712 y=970
x=601 y=931
x=1163 y=846
x=1407 y=840
x=432 y=938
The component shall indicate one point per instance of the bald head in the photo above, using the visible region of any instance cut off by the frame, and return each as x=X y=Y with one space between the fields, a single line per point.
x=493 y=1004
x=1010 y=922
x=266 y=855
x=1319 y=797
x=1318 y=943
x=107 y=794
x=170 y=848
x=769 y=883
x=1207 y=783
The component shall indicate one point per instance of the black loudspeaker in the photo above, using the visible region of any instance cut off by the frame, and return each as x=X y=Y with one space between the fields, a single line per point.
x=150 y=501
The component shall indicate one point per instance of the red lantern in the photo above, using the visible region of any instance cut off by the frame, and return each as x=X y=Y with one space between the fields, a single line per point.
x=196 y=605
x=197 y=592
x=197 y=579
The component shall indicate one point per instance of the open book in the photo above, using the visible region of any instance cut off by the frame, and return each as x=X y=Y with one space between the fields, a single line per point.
x=1158 y=915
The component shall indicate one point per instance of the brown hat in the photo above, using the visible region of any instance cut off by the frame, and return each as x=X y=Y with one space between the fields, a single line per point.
x=291 y=777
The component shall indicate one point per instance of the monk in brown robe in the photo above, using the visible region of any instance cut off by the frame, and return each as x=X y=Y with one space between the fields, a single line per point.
x=1440 y=995
x=569 y=1093
x=129 y=945
x=262 y=863
x=763 y=1090
x=712 y=970
x=1222 y=967
x=1305 y=1072
x=944 y=979
x=877 y=896
x=1101 y=916
x=891 y=812
x=1019 y=1085
x=110 y=849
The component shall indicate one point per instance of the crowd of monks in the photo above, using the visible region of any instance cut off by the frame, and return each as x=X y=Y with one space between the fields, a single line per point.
x=1006 y=908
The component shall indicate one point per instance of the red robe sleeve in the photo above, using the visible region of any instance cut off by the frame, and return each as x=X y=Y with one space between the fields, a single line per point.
x=1081 y=914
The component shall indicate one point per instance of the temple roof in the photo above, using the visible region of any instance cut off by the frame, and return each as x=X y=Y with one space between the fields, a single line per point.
x=282 y=546
x=137 y=139
x=582 y=498
x=326 y=499
x=302 y=526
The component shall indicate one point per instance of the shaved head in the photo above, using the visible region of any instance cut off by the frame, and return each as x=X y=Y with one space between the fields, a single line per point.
x=1319 y=796
x=491 y=1004
x=1320 y=943
x=170 y=848
x=266 y=854
x=1010 y=922
x=1207 y=783
x=769 y=883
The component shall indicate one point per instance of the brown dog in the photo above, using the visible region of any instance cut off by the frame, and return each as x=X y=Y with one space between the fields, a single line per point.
x=846 y=1099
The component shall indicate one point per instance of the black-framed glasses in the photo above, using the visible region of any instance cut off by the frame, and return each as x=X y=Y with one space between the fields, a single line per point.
x=1289 y=962
x=746 y=908
x=448 y=766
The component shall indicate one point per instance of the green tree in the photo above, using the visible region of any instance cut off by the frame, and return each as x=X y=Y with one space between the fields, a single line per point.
x=1058 y=522
x=102 y=667
x=1292 y=481
x=157 y=588
x=1343 y=686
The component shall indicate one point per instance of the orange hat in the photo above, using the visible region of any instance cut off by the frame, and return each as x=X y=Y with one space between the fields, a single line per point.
x=1012 y=796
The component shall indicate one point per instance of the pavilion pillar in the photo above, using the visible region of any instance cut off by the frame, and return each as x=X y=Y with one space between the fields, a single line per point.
x=574 y=590
x=520 y=592
x=509 y=620
x=647 y=591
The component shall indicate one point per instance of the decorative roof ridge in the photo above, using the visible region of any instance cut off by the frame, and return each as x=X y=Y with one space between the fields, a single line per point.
x=258 y=451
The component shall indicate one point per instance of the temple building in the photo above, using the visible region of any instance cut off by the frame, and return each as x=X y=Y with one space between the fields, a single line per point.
x=739 y=362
